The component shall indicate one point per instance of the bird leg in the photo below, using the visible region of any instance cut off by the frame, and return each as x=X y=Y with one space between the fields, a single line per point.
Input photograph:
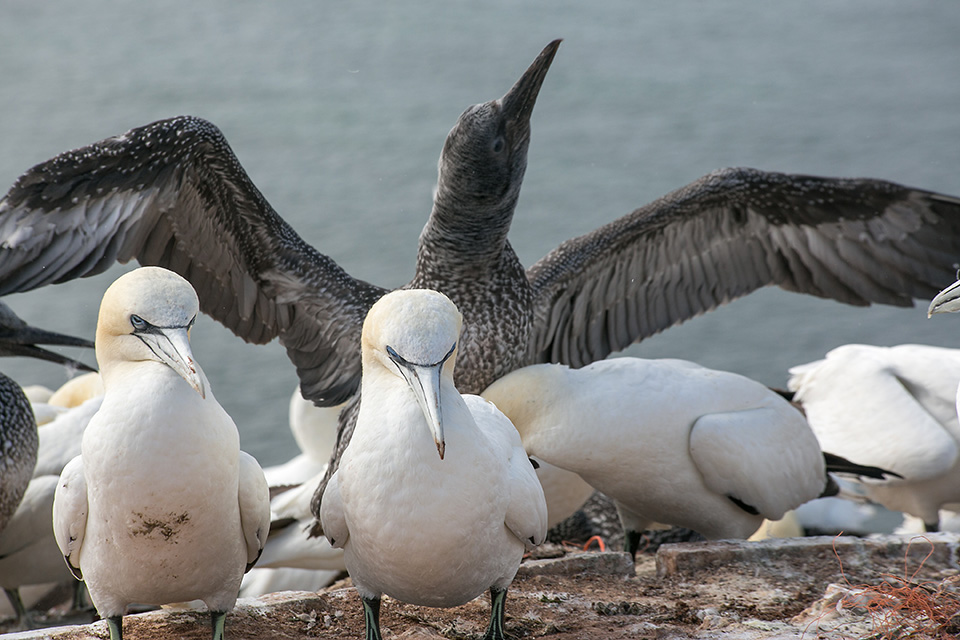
x=371 y=617
x=631 y=542
x=23 y=618
x=115 y=624
x=217 y=620
x=498 y=599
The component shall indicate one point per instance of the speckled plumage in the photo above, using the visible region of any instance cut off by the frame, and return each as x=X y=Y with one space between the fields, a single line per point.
x=173 y=194
x=18 y=447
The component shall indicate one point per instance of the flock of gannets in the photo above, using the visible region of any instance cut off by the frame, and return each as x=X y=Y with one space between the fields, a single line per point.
x=172 y=193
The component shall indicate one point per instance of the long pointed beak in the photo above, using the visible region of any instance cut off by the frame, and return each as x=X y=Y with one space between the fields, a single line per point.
x=424 y=380
x=172 y=345
x=518 y=103
x=946 y=301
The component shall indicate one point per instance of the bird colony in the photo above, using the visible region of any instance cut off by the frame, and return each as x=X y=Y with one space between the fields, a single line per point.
x=424 y=413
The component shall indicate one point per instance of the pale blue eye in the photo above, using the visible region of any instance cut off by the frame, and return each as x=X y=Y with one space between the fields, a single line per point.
x=137 y=322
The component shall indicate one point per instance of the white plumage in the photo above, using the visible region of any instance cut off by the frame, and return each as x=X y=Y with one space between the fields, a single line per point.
x=161 y=506
x=893 y=407
x=669 y=441
x=435 y=499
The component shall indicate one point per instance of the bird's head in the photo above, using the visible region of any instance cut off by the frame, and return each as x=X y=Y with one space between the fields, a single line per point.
x=413 y=334
x=145 y=315
x=947 y=301
x=485 y=154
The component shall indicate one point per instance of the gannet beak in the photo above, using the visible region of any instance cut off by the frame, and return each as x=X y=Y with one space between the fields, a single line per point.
x=518 y=103
x=946 y=301
x=172 y=345
x=424 y=380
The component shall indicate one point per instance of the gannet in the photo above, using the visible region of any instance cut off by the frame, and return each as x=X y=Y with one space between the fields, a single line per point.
x=28 y=550
x=161 y=506
x=894 y=407
x=173 y=193
x=669 y=441
x=435 y=499
x=19 y=446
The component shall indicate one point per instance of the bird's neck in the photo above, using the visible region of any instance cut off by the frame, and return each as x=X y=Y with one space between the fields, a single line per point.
x=468 y=232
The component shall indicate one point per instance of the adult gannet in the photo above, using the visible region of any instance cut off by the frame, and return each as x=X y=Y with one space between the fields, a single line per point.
x=435 y=500
x=173 y=193
x=669 y=441
x=161 y=506
x=28 y=550
x=893 y=407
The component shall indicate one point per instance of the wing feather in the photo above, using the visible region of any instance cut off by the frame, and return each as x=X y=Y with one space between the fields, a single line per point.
x=858 y=241
x=173 y=194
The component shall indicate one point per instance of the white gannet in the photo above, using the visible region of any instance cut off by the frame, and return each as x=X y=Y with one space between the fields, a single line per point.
x=173 y=193
x=669 y=441
x=161 y=506
x=893 y=407
x=435 y=499
x=28 y=550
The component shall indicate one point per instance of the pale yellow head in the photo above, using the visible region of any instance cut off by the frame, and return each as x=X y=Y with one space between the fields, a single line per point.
x=147 y=314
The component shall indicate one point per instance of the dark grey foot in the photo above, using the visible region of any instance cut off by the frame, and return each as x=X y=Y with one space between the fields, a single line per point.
x=371 y=617
x=631 y=542
x=498 y=600
x=23 y=618
x=115 y=624
x=931 y=527
x=217 y=620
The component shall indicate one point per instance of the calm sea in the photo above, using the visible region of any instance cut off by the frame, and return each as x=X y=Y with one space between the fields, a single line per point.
x=338 y=111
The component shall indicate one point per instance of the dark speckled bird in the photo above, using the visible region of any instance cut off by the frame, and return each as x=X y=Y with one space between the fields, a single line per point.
x=173 y=194
x=18 y=428
x=19 y=440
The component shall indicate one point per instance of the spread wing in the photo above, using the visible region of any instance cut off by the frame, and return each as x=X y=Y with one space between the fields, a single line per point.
x=858 y=241
x=173 y=194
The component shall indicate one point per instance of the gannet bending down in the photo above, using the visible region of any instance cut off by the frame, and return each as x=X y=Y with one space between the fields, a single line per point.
x=435 y=500
x=669 y=441
x=173 y=193
x=161 y=506
x=893 y=407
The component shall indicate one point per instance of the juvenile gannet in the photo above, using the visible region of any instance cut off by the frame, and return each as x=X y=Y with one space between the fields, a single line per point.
x=435 y=500
x=173 y=193
x=17 y=338
x=19 y=446
x=161 y=506
x=669 y=441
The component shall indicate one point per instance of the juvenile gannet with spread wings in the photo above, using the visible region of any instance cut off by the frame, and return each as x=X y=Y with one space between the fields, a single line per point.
x=172 y=193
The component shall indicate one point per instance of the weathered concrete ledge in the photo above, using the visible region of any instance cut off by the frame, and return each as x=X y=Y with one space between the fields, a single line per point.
x=691 y=558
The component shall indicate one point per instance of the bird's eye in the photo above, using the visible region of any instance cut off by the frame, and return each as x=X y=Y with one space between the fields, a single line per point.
x=137 y=322
x=498 y=144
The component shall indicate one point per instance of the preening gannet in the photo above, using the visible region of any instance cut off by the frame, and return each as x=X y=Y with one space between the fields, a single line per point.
x=435 y=499
x=669 y=441
x=161 y=506
x=173 y=193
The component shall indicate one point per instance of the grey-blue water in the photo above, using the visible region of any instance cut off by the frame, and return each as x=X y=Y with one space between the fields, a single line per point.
x=338 y=110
